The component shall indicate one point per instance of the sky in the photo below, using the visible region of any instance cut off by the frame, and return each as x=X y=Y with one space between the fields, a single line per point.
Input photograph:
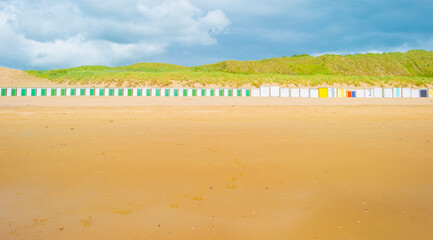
x=51 y=34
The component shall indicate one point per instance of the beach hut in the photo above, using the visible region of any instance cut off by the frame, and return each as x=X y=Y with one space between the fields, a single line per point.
x=10 y=92
x=323 y=92
x=90 y=91
x=219 y=92
x=52 y=91
x=210 y=92
x=406 y=92
x=49 y=92
x=213 y=92
x=125 y=92
x=423 y=93
x=61 y=92
x=82 y=91
x=165 y=92
x=171 y=92
x=235 y=92
x=207 y=94
x=255 y=92
x=264 y=91
x=72 y=92
x=368 y=93
x=397 y=92
x=304 y=92
x=275 y=91
x=226 y=92
x=189 y=92
x=99 y=92
x=109 y=92
x=128 y=92
x=295 y=92
x=119 y=92
x=285 y=92
x=147 y=92
x=182 y=92
x=387 y=92
x=378 y=92
x=332 y=92
x=44 y=91
x=21 y=92
x=136 y=92
x=360 y=93
x=31 y=92
x=314 y=93
x=430 y=93
x=341 y=93
x=156 y=92
x=415 y=93
x=3 y=92
x=246 y=92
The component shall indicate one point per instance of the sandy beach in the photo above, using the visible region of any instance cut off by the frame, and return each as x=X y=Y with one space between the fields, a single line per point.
x=119 y=168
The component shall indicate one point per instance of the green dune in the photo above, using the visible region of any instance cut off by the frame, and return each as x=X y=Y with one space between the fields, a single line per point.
x=394 y=69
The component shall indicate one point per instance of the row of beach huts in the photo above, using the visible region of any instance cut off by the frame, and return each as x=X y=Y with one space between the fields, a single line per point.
x=264 y=91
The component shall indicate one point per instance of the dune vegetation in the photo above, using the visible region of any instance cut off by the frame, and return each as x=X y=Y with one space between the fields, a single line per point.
x=391 y=69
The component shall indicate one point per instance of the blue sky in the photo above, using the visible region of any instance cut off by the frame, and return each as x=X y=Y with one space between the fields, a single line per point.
x=47 y=34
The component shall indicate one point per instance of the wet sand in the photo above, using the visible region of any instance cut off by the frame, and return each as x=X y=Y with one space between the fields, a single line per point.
x=322 y=171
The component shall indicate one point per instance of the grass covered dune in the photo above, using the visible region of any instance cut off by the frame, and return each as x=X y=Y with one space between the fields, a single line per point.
x=413 y=68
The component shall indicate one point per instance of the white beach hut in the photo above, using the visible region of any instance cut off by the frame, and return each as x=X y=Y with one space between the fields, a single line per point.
x=285 y=92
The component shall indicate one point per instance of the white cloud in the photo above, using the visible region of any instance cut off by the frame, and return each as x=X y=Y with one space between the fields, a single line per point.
x=425 y=45
x=47 y=33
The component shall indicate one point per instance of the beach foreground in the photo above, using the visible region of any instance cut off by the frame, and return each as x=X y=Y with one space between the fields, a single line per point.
x=216 y=172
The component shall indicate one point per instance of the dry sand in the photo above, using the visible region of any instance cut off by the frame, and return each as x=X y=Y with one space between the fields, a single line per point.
x=109 y=171
x=18 y=78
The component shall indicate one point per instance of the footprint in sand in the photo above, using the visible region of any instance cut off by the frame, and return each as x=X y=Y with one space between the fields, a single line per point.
x=174 y=205
x=39 y=222
x=123 y=212
x=234 y=177
x=87 y=222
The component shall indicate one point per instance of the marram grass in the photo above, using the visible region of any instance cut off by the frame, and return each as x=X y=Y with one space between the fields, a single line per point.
x=414 y=68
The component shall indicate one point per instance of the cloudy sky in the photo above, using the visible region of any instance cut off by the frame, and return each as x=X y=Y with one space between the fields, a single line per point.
x=47 y=34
